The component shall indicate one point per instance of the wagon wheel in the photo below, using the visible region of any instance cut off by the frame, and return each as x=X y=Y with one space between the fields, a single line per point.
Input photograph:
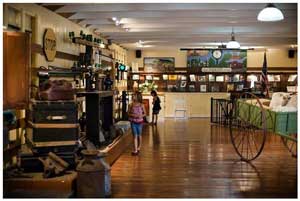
x=291 y=144
x=248 y=127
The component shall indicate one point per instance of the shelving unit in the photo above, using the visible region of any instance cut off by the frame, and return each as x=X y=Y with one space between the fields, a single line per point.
x=208 y=82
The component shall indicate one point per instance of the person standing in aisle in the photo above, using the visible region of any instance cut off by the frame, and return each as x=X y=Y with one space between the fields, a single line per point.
x=136 y=112
x=156 y=107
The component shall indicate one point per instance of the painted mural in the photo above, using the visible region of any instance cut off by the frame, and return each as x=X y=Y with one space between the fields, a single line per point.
x=236 y=60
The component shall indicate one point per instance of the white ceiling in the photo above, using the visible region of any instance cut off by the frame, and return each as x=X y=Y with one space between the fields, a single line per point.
x=183 y=25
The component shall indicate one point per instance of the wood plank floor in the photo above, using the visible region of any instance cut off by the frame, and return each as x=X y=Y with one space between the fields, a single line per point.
x=194 y=159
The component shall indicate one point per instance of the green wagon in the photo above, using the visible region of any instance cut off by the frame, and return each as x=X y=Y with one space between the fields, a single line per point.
x=250 y=122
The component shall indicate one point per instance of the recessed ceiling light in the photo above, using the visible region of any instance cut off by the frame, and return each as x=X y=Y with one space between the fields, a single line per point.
x=127 y=29
x=114 y=19
x=117 y=23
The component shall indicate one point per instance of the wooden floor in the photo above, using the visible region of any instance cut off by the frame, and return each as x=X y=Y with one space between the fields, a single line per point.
x=194 y=159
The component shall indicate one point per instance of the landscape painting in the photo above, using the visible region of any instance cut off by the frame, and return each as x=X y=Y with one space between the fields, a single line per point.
x=159 y=64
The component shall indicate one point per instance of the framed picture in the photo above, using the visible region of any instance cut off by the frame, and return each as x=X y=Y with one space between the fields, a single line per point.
x=149 y=77
x=159 y=64
x=277 y=78
x=236 y=77
x=135 y=77
x=211 y=78
x=191 y=87
x=270 y=78
x=183 y=77
x=202 y=78
x=230 y=87
x=156 y=78
x=183 y=84
x=192 y=78
x=203 y=88
x=227 y=78
x=165 y=77
x=215 y=88
x=220 y=78
x=292 y=78
x=142 y=77
x=252 y=78
x=172 y=77
x=239 y=87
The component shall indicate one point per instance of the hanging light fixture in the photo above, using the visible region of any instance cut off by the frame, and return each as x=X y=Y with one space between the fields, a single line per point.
x=270 y=14
x=233 y=44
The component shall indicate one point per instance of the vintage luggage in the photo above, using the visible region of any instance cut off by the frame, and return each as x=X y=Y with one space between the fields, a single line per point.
x=56 y=112
x=29 y=161
x=53 y=90
x=42 y=133
x=62 y=146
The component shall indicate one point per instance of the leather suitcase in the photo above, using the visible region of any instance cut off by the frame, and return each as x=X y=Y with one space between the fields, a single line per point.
x=56 y=112
x=41 y=133
x=29 y=161
x=53 y=90
x=55 y=147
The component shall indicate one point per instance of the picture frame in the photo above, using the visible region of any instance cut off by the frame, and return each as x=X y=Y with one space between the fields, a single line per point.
x=220 y=78
x=230 y=87
x=183 y=84
x=149 y=77
x=215 y=88
x=192 y=78
x=211 y=78
x=182 y=77
x=236 y=78
x=165 y=77
x=191 y=88
x=135 y=77
x=270 y=78
x=202 y=78
x=173 y=77
x=227 y=78
x=277 y=78
x=156 y=78
x=239 y=87
x=203 y=88
x=292 y=78
x=159 y=64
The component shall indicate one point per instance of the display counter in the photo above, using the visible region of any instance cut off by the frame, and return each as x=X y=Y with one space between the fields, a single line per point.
x=187 y=105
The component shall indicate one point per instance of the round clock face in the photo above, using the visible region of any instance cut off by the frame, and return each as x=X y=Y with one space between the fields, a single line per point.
x=217 y=54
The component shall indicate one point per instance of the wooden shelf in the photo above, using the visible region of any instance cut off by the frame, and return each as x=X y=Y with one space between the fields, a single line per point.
x=80 y=41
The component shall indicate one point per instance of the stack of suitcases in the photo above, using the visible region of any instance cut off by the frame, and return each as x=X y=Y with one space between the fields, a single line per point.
x=52 y=127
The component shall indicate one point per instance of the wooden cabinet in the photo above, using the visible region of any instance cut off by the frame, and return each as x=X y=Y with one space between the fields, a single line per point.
x=16 y=59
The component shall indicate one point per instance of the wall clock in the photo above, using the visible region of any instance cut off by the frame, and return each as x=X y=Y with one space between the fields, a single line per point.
x=217 y=54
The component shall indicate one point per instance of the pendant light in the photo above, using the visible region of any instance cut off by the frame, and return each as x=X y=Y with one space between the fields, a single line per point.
x=233 y=44
x=270 y=14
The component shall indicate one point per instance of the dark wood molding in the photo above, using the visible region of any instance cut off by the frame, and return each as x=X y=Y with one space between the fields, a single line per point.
x=37 y=48
x=53 y=8
x=273 y=69
x=66 y=15
x=282 y=69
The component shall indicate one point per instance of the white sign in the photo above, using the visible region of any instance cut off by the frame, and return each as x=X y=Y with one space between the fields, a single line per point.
x=216 y=69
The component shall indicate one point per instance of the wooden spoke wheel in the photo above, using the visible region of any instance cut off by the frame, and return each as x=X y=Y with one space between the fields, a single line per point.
x=291 y=145
x=248 y=126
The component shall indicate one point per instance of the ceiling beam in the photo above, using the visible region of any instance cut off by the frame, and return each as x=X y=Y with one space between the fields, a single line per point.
x=163 y=14
x=169 y=7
